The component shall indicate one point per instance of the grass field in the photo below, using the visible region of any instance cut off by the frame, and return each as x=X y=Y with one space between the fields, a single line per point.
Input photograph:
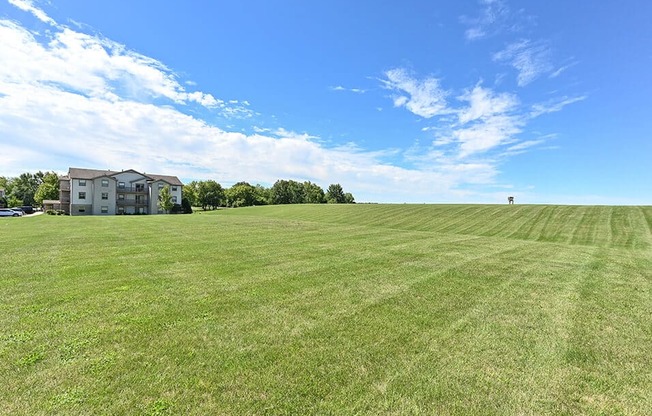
x=357 y=309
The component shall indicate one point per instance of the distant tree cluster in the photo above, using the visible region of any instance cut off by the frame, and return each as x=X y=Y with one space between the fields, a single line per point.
x=29 y=189
x=211 y=195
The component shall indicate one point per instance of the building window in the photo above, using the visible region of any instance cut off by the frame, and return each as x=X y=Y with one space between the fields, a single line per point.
x=174 y=188
x=160 y=186
x=82 y=195
x=82 y=182
x=105 y=183
x=174 y=199
x=105 y=195
x=105 y=210
x=121 y=210
x=121 y=184
x=81 y=210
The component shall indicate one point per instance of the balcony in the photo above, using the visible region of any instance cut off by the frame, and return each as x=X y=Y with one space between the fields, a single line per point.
x=65 y=186
x=132 y=202
x=132 y=189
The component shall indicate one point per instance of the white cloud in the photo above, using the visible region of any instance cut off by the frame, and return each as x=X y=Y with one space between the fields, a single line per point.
x=207 y=100
x=92 y=66
x=286 y=134
x=562 y=69
x=487 y=121
x=28 y=6
x=492 y=19
x=483 y=103
x=93 y=132
x=424 y=98
x=553 y=106
x=521 y=147
x=490 y=133
x=355 y=90
x=530 y=59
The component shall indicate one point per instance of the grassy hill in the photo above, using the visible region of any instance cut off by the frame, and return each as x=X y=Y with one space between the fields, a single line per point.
x=359 y=309
x=612 y=226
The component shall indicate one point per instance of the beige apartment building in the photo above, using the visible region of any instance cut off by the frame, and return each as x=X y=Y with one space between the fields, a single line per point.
x=107 y=192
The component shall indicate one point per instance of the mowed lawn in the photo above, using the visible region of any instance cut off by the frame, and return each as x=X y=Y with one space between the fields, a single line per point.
x=331 y=309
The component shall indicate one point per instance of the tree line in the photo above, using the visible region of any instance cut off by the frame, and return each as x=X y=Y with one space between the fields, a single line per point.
x=210 y=194
x=34 y=188
x=29 y=189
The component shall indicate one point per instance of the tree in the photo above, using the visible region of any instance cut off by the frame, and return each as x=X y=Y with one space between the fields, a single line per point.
x=242 y=194
x=186 y=206
x=335 y=194
x=312 y=193
x=348 y=198
x=23 y=188
x=165 y=199
x=287 y=192
x=262 y=195
x=190 y=192
x=4 y=183
x=210 y=194
x=48 y=189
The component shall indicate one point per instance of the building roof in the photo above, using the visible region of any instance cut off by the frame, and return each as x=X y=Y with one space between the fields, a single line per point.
x=80 y=173
x=172 y=180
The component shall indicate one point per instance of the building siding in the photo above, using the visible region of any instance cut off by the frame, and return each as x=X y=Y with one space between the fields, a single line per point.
x=126 y=192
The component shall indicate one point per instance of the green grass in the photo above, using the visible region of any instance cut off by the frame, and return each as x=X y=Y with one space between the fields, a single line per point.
x=359 y=309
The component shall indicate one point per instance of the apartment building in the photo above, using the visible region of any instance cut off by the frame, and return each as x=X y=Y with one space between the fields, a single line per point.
x=107 y=192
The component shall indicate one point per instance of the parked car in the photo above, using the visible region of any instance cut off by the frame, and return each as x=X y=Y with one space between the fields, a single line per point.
x=19 y=211
x=7 y=212
x=27 y=209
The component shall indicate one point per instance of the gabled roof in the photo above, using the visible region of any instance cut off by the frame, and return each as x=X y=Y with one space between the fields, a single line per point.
x=80 y=173
x=132 y=171
x=172 y=180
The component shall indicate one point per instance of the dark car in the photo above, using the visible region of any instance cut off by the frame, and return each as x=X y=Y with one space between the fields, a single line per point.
x=27 y=209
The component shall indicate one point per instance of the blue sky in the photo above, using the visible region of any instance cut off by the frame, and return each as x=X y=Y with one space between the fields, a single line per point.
x=410 y=101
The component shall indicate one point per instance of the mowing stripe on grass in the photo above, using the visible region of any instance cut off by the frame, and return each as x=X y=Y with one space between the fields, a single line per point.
x=367 y=309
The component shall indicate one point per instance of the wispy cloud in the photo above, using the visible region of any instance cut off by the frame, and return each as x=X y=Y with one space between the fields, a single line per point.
x=424 y=98
x=286 y=134
x=488 y=134
x=489 y=121
x=552 y=106
x=355 y=90
x=482 y=119
x=28 y=6
x=562 y=69
x=521 y=147
x=484 y=103
x=530 y=59
x=481 y=123
x=492 y=18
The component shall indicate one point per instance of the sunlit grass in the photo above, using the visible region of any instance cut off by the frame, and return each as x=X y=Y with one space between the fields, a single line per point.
x=367 y=309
